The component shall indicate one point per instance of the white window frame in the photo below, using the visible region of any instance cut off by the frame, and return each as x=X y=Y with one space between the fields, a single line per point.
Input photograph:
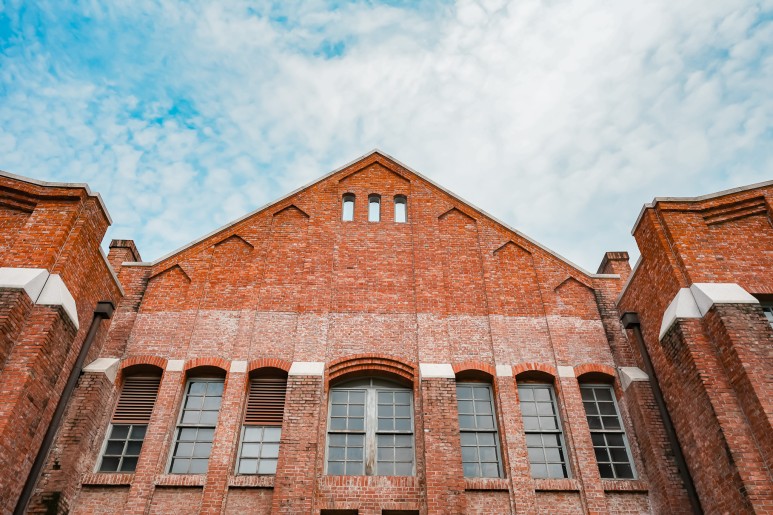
x=370 y=458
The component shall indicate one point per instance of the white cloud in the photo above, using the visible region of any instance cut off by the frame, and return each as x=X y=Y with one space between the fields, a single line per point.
x=559 y=117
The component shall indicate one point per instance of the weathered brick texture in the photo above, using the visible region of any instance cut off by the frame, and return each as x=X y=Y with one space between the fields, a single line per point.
x=293 y=285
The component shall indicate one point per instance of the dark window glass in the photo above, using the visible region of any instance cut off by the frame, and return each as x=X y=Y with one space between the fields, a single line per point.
x=609 y=441
x=542 y=424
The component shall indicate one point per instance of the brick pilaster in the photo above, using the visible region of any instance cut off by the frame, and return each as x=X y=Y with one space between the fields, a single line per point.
x=443 y=455
x=295 y=476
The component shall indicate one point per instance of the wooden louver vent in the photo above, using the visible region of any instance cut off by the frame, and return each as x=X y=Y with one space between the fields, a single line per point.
x=137 y=399
x=266 y=402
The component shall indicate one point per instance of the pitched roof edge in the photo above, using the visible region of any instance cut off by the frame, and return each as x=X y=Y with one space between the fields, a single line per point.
x=350 y=163
x=83 y=185
x=698 y=198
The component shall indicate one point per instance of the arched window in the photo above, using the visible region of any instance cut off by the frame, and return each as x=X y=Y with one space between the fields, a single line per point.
x=262 y=429
x=348 y=208
x=481 y=456
x=610 y=443
x=370 y=429
x=198 y=420
x=544 y=436
x=374 y=208
x=130 y=422
x=401 y=209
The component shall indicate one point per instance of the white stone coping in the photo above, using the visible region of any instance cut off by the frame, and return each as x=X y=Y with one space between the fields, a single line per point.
x=698 y=299
x=175 y=365
x=504 y=371
x=107 y=366
x=565 y=371
x=436 y=370
x=307 y=368
x=238 y=367
x=42 y=288
x=629 y=375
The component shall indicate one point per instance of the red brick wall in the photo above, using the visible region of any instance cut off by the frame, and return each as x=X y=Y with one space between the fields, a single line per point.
x=712 y=369
x=295 y=283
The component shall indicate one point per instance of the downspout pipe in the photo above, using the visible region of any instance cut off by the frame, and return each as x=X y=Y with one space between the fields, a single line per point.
x=631 y=321
x=103 y=311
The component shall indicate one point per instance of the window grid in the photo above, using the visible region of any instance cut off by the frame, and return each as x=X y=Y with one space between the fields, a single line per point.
x=196 y=429
x=122 y=448
x=394 y=434
x=478 y=430
x=542 y=425
x=609 y=441
x=259 y=450
x=370 y=431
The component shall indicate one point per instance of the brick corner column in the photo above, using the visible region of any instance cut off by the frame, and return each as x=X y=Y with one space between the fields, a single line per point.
x=514 y=443
x=294 y=484
x=221 y=465
x=442 y=449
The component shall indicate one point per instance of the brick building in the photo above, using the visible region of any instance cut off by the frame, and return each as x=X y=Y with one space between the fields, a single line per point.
x=373 y=344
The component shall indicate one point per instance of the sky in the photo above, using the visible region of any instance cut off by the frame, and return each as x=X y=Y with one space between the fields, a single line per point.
x=560 y=118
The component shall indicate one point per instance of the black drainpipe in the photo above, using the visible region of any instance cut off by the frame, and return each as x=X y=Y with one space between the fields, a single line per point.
x=631 y=321
x=103 y=311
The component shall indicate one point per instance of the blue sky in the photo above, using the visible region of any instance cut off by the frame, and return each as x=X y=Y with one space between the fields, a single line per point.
x=559 y=117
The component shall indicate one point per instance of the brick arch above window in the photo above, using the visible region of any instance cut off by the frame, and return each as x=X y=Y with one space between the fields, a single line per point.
x=596 y=369
x=545 y=368
x=362 y=365
x=475 y=366
x=212 y=361
x=144 y=360
x=259 y=363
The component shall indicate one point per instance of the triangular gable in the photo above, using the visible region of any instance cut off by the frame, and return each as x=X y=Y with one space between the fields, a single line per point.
x=348 y=170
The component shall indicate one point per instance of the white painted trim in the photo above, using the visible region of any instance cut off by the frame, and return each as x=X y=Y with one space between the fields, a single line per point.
x=682 y=306
x=307 y=368
x=698 y=299
x=55 y=293
x=504 y=371
x=239 y=367
x=564 y=371
x=31 y=280
x=47 y=184
x=436 y=370
x=107 y=366
x=175 y=365
x=629 y=375
x=708 y=294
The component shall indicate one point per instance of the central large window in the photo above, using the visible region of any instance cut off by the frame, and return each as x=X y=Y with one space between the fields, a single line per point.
x=370 y=429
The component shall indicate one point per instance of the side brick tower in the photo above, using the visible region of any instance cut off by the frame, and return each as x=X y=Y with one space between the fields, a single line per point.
x=53 y=276
x=699 y=300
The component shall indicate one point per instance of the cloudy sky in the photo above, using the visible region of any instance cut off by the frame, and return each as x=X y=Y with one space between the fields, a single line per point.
x=559 y=117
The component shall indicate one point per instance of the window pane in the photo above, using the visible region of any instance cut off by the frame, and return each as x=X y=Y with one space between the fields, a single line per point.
x=348 y=210
x=248 y=466
x=129 y=465
x=109 y=464
x=374 y=209
x=114 y=447
x=201 y=408
x=400 y=209
x=119 y=432
x=346 y=452
x=267 y=467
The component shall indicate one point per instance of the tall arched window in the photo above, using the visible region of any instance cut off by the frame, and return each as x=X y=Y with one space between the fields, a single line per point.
x=259 y=447
x=544 y=436
x=401 y=209
x=130 y=421
x=481 y=456
x=347 y=214
x=374 y=208
x=370 y=429
x=198 y=419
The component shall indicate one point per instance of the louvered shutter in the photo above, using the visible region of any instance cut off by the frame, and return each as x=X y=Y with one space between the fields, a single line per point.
x=266 y=402
x=137 y=399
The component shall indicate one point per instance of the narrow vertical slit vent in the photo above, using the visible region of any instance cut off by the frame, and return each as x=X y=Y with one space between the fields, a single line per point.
x=137 y=399
x=266 y=402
